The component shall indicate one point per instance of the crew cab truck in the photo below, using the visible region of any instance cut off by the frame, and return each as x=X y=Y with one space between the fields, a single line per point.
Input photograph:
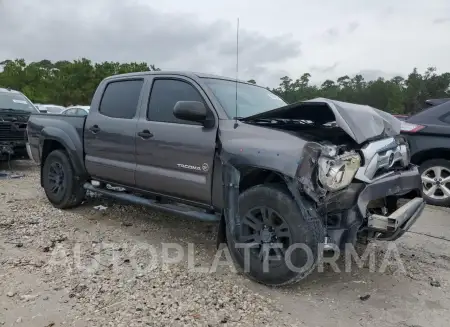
x=284 y=182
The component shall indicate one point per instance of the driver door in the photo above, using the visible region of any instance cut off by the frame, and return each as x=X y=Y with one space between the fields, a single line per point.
x=174 y=157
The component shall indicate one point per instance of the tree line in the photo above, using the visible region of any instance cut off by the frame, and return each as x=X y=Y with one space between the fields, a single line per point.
x=74 y=82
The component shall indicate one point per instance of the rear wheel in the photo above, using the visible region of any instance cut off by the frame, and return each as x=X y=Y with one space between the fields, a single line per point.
x=277 y=244
x=62 y=188
x=435 y=176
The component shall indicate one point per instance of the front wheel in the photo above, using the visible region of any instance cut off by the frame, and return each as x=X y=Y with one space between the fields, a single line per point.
x=61 y=186
x=277 y=245
x=435 y=176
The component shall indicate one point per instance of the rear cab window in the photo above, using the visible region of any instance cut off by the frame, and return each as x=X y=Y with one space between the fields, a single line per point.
x=121 y=98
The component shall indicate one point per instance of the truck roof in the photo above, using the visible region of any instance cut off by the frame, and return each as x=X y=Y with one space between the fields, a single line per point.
x=182 y=73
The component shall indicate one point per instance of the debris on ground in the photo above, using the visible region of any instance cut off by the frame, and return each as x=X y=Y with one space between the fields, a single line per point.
x=100 y=208
x=71 y=271
x=10 y=175
x=364 y=297
x=435 y=282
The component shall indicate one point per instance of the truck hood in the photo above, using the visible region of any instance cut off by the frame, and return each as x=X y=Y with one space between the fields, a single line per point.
x=362 y=123
x=259 y=146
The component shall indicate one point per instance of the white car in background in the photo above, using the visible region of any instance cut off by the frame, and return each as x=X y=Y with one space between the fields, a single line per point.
x=50 y=108
x=76 y=111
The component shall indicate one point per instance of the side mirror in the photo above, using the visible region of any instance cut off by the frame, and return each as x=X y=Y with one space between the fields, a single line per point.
x=190 y=110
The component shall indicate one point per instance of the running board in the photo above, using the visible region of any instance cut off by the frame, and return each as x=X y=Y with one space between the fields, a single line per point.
x=392 y=222
x=184 y=211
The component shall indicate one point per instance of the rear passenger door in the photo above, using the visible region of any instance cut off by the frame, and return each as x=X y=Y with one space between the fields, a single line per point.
x=176 y=157
x=109 y=133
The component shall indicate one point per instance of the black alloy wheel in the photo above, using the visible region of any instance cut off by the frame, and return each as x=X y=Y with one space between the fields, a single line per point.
x=61 y=185
x=269 y=234
x=56 y=180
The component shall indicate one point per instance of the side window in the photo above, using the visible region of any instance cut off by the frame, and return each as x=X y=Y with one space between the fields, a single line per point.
x=70 y=112
x=121 y=98
x=165 y=94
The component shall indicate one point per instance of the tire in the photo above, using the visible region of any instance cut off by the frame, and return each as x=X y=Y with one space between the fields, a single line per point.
x=304 y=230
x=427 y=170
x=71 y=193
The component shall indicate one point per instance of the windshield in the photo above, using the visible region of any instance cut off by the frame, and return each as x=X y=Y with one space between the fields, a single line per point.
x=251 y=99
x=15 y=101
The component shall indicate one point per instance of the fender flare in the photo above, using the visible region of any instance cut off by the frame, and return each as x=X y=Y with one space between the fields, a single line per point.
x=72 y=145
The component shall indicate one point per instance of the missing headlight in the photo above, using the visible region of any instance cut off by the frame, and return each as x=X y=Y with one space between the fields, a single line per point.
x=337 y=172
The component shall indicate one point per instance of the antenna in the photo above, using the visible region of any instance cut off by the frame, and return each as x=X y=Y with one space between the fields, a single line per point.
x=237 y=72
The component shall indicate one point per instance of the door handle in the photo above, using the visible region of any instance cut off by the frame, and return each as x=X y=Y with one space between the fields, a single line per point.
x=145 y=134
x=94 y=129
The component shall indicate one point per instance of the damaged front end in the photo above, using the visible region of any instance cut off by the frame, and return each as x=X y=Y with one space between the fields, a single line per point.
x=13 y=135
x=351 y=167
x=357 y=191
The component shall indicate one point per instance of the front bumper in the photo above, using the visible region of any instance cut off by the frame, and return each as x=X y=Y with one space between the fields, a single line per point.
x=398 y=184
x=12 y=149
x=391 y=227
x=351 y=207
x=30 y=154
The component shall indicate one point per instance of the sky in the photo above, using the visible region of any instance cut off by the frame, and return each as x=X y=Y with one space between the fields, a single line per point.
x=327 y=38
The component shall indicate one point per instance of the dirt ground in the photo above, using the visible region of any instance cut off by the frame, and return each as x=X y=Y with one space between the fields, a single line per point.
x=93 y=267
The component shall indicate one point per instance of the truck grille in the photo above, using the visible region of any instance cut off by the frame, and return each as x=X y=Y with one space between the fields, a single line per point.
x=382 y=157
x=13 y=131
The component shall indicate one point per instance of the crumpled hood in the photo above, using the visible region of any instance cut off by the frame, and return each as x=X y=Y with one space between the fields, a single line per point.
x=360 y=122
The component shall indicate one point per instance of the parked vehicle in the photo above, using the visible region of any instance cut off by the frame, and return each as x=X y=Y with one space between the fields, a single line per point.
x=428 y=133
x=435 y=102
x=41 y=109
x=273 y=175
x=15 y=109
x=51 y=108
x=401 y=117
x=76 y=111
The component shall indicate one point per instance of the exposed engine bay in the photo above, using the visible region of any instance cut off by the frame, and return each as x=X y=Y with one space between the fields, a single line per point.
x=353 y=172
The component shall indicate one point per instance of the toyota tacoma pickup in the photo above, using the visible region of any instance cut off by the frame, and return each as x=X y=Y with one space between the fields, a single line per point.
x=15 y=109
x=284 y=182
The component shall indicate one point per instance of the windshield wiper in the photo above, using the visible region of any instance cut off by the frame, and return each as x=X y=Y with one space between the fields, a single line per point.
x=262 y=120
x=281 y=121
x=15 y=110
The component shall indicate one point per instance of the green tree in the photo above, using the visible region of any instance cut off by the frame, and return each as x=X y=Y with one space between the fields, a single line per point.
x=74 y=82
x=62 y=82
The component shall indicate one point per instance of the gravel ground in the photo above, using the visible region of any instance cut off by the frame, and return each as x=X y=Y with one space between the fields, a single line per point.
x=91 y=267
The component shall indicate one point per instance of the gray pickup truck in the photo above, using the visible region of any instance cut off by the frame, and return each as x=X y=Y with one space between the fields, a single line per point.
x=284 y=182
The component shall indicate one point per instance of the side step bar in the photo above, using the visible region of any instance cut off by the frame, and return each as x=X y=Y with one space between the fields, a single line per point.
x=183 y=211
x=397 y=218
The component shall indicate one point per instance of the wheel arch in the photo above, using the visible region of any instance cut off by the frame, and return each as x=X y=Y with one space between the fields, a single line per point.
x=428 y=154
x=239 y=178
x=52 y=143
x=253 y=175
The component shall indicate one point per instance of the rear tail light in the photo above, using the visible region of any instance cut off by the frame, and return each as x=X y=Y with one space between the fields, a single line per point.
x=411 y=128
